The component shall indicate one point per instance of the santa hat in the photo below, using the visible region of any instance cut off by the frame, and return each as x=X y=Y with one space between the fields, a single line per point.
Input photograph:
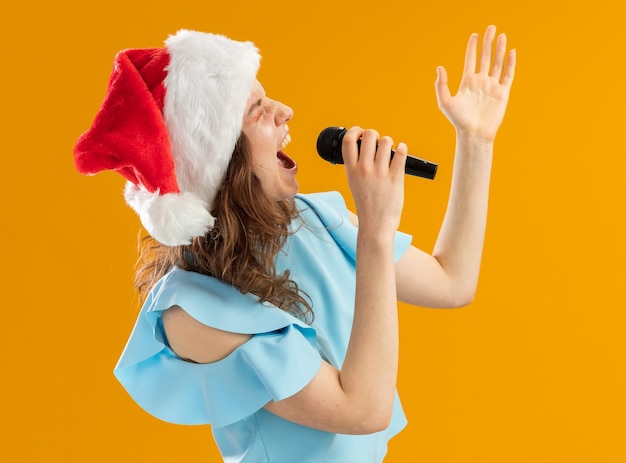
x=169 y=124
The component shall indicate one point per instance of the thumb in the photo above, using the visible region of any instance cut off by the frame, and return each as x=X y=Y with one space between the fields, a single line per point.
x=441 y=85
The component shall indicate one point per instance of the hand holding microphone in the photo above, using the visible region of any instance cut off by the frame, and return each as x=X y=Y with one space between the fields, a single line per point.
x=329 y=148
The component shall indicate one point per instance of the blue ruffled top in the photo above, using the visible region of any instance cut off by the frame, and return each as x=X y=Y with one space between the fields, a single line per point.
x=281 y=357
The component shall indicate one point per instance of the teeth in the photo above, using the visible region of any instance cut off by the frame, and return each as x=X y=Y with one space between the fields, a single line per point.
x=285 y=142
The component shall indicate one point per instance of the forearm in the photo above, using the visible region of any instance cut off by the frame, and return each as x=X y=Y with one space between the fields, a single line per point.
x=369 y=372
x=459 y=245
x=476 y=112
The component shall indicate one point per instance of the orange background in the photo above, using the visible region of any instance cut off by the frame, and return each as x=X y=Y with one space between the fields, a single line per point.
x=533 y=371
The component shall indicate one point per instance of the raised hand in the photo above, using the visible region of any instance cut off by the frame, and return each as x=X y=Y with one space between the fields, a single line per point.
x=479 y=105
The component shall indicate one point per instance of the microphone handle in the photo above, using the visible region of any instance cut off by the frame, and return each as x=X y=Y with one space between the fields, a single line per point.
x=414 y=166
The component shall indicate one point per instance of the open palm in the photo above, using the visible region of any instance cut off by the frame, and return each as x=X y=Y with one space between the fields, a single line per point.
x=479 y=105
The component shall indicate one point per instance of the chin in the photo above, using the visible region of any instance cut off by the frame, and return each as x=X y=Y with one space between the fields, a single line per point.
x=295 y=190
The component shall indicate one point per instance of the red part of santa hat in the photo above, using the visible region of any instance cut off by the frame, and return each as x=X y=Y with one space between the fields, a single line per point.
x=169 y=124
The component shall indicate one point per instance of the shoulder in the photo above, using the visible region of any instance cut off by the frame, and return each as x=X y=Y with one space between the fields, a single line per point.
x=203 y=319
x=194 y=341
x=215 y=304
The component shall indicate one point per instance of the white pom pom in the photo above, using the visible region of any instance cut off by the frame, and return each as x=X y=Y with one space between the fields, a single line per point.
x=172 y=219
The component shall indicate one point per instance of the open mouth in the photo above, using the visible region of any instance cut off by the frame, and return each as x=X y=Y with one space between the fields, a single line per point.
x=285 y=160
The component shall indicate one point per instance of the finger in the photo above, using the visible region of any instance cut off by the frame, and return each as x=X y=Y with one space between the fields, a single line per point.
x=470 y=54
x=498 y=62
x=509 y=72
x=441 y=86
x=369 y=141
x=485 y=53
x=383 y=152
x=349 y=147
x=399 y=160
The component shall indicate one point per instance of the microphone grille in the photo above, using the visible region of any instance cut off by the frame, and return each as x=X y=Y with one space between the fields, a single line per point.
x=329 y=144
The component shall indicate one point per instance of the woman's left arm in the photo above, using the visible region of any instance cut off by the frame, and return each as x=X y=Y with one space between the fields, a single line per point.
x=448 y=277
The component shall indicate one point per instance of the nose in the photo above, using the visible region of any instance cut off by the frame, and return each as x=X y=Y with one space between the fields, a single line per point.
x=282 y=114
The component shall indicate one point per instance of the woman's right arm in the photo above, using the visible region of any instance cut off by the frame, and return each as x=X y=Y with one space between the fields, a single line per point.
x=358 y=398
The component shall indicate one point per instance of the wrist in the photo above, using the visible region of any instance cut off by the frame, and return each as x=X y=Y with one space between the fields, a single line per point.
x=375 y=238
x=475 y=138
x=472 y=146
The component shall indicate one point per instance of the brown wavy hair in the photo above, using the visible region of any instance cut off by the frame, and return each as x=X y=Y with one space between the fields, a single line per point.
x=241 y=249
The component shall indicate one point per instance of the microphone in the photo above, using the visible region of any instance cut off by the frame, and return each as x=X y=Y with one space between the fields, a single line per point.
x=329 y=148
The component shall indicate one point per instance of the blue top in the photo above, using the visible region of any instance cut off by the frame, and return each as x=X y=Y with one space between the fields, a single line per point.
x=281 y=357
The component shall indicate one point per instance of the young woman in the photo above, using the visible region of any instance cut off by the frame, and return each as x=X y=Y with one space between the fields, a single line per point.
x=270 y=315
